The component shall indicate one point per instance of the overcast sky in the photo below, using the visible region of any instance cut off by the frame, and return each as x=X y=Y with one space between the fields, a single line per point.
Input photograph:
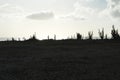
x=21 y=18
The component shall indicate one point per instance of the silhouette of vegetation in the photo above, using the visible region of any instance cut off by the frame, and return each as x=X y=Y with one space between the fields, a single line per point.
x=54 y=37
x=24 y=39
x=48 y=37
x=101 y=34
x=33 y=38
x=90 y=35
x=13 y=39
x=106 y=37
x=79 y=36
x=114 y=33
x=19 y=39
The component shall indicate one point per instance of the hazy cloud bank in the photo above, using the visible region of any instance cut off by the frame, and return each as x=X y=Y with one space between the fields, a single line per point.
x=45 y=15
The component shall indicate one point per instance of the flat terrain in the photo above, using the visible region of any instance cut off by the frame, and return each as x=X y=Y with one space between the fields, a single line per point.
x=60 y=60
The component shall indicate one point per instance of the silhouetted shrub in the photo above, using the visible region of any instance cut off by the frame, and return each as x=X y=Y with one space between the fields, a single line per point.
x=13 y=39
x=106 y=37
x=19 y=39
x=101 y=33
x=114 y=33
x=34 y=36
x=24 y=39
x=90 y=35
x=79 y=36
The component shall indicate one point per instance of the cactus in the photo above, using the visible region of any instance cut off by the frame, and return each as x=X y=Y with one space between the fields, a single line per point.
x=101 y=33
x=90 y=35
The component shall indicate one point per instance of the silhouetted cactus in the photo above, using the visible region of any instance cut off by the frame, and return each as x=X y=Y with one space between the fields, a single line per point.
x=101 y=33
x=90 y=35
x=114 y=33
x=79 y=36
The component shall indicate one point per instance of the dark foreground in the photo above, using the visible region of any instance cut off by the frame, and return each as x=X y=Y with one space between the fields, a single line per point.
x=60 y=60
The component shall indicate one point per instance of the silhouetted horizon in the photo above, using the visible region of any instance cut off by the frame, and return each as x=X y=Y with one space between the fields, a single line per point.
x=78 y=36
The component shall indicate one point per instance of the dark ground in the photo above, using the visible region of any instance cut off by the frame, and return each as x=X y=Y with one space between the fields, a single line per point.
x=60 y=60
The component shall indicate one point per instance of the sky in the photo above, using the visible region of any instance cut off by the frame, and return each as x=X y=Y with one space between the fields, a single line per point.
x=22 y=18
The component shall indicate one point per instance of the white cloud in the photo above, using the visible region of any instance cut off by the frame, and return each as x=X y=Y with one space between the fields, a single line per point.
x=44 y=15
x=82 y=11
x=10 y=9
x=113 y=9
x=73 y=17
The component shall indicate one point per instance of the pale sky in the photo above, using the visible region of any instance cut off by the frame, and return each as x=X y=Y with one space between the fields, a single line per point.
x=21 y=18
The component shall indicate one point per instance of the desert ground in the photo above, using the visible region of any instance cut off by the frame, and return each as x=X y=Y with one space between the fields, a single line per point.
x=60 y=60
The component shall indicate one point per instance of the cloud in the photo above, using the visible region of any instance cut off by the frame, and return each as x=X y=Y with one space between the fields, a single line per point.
x=113 y=9
x=10 y=9
x=45 y=15
x=82 y=11
x=11 y=12
x=73 y=17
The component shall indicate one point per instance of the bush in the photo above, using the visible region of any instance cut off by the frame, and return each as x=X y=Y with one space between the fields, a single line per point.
x=79 y=36
x=114 y=33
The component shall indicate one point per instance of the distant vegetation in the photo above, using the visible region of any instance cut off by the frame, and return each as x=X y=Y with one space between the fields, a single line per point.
x=102 y=36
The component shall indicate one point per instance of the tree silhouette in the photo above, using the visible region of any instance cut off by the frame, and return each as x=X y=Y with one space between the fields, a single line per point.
x=114 y=33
